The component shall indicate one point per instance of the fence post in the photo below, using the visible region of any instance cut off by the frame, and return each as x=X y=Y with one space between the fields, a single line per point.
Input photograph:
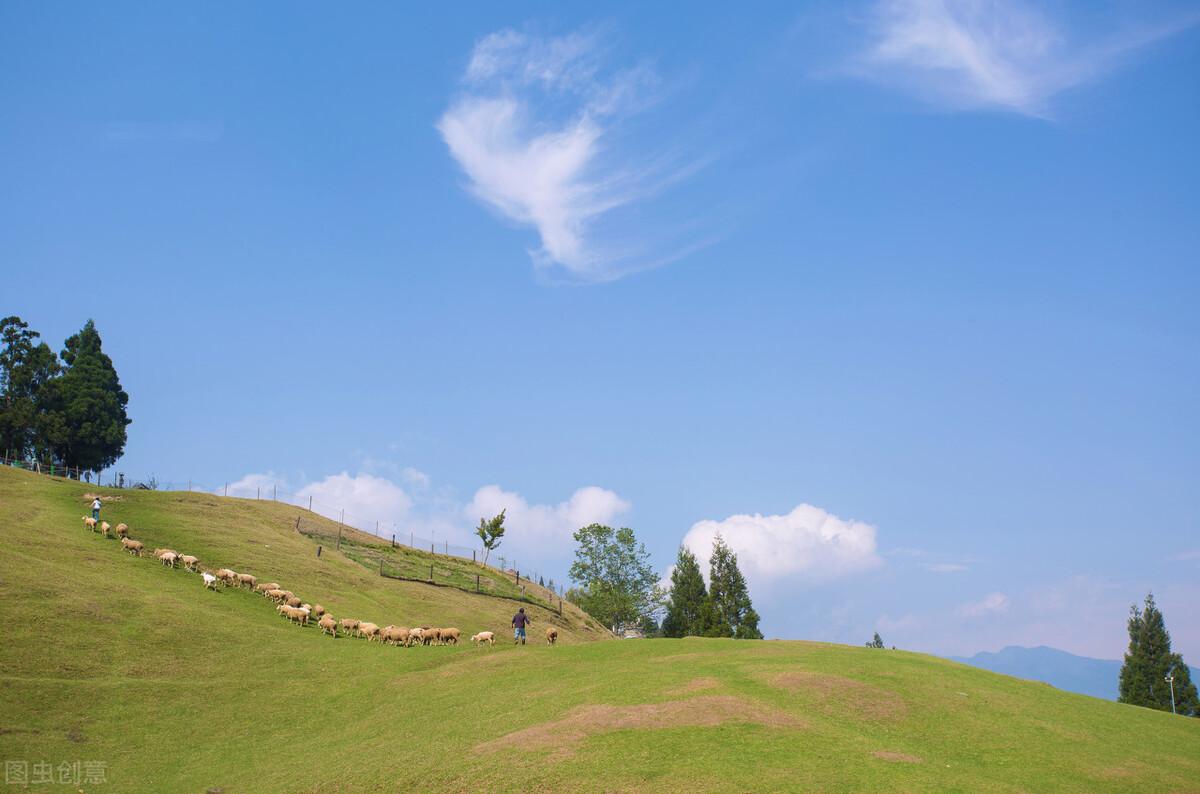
x=274 y=492
x=258 y=493
x=297 y=523
x=411 y=543
x=476 y=583
x=431 y=551
x=560 y=607
x=340 y=522
x=431 y=572
x=447 y=548
x=227 y=489
x=310 y=503
x=473 y=556
x=318 y=551
x=393 y=541
x=381 y=565
x=518 y=577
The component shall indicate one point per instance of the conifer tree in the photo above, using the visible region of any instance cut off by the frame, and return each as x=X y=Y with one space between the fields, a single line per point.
x=687 y=604
x=82 y=418
x=26 y=366
x=731 y=612
x=1149 y=661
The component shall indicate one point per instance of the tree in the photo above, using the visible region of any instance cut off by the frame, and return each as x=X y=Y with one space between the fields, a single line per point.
x=1149 y=661
x=490 y=530
x=732 y=613
x=618 y=584
x=84 y=419
x=875 y=642
x=26 y=366
x=687 y=609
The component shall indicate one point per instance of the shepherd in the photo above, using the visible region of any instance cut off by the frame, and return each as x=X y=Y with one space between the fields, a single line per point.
x=96 y=508
x=519 y=622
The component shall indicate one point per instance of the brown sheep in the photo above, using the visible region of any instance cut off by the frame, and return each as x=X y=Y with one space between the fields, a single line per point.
x=168 y=558
x=368 y=630
x=296 y=614
x=395 y=635
x=430 y=636
x=415 y=635
x=293 y=601
x=450 y=636
x=349 y=626
x=277 y=595
x=246 y=579
x=160 y=552
x=484 y=636
x=105 y=527
x=226 y=575
x=189 y=561
x=132 y=546
x=551 y=635
x=122 y=530
x=264 y=587
x=328 y=625
x=318 y=610
x=89 y=523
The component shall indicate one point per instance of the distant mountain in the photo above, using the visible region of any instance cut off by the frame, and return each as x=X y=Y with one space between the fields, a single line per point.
x=1066 y=671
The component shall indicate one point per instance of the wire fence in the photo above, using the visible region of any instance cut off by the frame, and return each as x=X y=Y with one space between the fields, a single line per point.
x=393 y=533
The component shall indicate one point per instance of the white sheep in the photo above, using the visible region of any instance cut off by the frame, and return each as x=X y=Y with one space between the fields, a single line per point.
x=484 y=636
x=210 y=581
x=190 y=562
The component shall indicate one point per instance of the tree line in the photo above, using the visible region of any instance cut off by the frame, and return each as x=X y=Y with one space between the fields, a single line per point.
x=66 y=409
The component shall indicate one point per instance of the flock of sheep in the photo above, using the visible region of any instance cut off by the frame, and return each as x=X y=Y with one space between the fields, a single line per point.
x=290 y=606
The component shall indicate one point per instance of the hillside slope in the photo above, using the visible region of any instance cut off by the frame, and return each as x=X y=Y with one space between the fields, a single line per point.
x=117 y=660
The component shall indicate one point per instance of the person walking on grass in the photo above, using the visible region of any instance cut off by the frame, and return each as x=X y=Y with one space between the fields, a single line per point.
x=519 y=622
x=96 y=508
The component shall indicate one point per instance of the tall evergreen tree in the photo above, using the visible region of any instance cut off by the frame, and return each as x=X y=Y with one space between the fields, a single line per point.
x=83 y=419
x=26 y=366
x=1149 y=661
x=687 y=604
x=732 y=614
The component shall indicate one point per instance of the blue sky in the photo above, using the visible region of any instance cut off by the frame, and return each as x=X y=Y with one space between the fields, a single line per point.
x=899 y=296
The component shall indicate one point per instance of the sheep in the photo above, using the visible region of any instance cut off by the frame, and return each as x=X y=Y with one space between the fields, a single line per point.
x=482 y=637
x=292 y=601
x=450 y=636
x=105 y=527
x=430 y=636
x=264 y=587
x=278 y=596
x=551 y=635
x=349 y=625
x=122 y=530
x=132 y=546
x=394 y=635
x=210 y=581
x=190 y=562
x=168 y=558
x=299 y=614
x=246 y=579
x=318 y=610
x=368 y=630
x=160 y=552
x=328 y=624
x=226 y=575
x=415 y=635
x=89 y=523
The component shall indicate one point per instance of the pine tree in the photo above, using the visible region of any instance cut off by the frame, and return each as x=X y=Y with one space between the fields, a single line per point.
x=83 y=416
x=687 y=604
x=731 y=612
x=875 y=642
x=1149 y=661
x=26 y=366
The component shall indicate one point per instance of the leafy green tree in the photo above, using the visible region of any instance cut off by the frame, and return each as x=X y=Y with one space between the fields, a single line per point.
x=732 y=613
x=83 y=417
x=875 y=642
x=1149 y=661
x=613 y=568
x=490 y=531
x=26 y=366
x=688 y=609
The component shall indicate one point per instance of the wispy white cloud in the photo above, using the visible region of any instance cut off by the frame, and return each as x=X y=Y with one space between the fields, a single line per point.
x=545 y=529
x=1003 y=54
x=532 y=131
x=807 y=543
x=945 y=567
x=991 y=604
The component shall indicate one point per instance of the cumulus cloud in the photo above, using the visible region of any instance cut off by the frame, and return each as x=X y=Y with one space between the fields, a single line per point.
x=991 y=53
x=254 y=486
x=365 y=498
x=532 y=132
x=548 y=527
x=808 y=542
x=991 y=604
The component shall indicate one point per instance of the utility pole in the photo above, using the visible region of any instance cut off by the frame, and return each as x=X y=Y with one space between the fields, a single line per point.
x=1170 y=679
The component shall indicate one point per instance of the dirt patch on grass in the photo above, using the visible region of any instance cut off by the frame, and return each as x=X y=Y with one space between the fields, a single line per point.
x=836 y=694
x=583 y=721
x=695 y=685
x=896 y=758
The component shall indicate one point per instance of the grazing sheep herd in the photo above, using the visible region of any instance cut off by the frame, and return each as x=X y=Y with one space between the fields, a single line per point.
x=290 y=606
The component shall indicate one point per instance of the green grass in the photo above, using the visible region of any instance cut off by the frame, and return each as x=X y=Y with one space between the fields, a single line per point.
x=110 y=658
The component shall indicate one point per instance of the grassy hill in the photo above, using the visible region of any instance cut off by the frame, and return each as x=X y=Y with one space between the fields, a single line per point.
x=114 y=659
